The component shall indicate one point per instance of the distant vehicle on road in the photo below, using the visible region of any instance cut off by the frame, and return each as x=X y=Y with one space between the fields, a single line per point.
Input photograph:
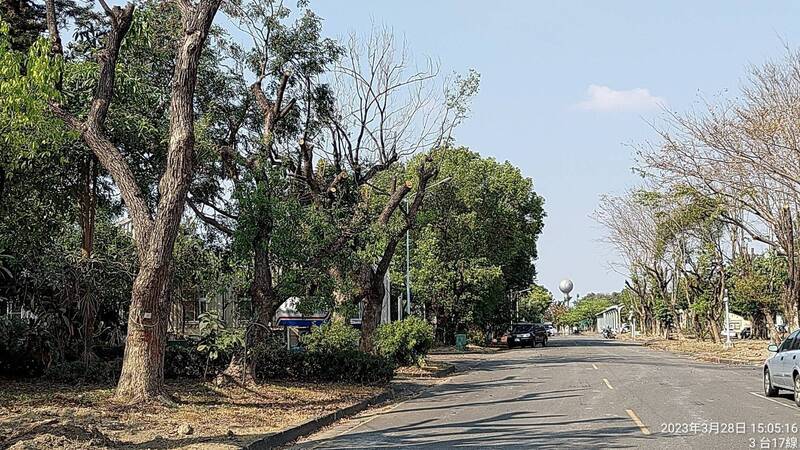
x=782 y=370
x=746 y=333
x=608 y=333
x=551 y=330
x=527 y=334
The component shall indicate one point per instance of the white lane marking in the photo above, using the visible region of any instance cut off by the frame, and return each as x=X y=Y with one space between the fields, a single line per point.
x=775 y=401
x=594 y=367
x=645 y=431
x=608 y=384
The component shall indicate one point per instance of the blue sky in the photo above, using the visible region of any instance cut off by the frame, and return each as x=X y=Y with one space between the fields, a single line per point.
x=568 y=86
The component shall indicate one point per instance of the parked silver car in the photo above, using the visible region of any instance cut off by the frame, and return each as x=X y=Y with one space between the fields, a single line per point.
x=782 y=370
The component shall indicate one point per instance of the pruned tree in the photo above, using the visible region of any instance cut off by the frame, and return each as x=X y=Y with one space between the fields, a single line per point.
x=386 y=110
x=745 y=152
x=631 y=225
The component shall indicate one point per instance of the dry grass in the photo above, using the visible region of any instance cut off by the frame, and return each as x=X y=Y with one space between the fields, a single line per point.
x=43 y=415
x=745 y=351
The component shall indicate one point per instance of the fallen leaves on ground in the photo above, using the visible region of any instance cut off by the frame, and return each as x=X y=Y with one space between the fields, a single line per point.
x=746 y=351
x=36 y=414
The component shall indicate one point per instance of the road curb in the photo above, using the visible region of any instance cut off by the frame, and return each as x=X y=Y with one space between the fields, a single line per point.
x=287 y=435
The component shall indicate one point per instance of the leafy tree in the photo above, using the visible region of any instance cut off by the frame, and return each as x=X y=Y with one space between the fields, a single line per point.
x=476 y=242
x=585 y=310
x=534 y=304
x=155 y=228
x=756 y=284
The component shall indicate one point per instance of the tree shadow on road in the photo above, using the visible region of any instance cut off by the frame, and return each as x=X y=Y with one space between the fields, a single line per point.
x=507 y=430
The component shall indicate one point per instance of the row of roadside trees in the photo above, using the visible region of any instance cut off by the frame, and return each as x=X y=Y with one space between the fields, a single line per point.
x=717 y=214
x=270 y=160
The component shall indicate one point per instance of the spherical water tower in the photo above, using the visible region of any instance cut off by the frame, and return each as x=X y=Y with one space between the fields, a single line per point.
x=565 y=287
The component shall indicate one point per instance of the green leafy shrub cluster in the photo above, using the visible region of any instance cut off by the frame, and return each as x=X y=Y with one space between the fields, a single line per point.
x=18 y=350
x=350 y=366
x=183 y=360
x=332 y=337
x=405 y=342
x=95 y=371
x=476 y=336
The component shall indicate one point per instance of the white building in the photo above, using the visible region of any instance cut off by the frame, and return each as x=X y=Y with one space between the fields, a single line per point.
x=610 y=317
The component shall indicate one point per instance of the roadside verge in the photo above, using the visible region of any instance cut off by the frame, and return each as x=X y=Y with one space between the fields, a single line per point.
x=742 y=354
x=289 y=434
x=292 y=433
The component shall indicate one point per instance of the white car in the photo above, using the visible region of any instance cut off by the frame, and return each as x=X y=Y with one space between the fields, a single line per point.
x=782 y=370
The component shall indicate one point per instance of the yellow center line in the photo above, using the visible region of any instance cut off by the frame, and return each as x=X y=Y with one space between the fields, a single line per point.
x=645 y=431
x=608 y=384
x=594 y=367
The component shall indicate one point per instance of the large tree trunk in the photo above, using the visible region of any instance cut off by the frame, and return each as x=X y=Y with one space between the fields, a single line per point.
x=791 y=292
x=371 y=318
x=143 y=365
x=155 y=231
x=265 y=302
x=142 y=377
x=88 y=205
x=774 y=336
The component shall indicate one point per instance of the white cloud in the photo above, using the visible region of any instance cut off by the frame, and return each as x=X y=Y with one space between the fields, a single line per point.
x=603 y=98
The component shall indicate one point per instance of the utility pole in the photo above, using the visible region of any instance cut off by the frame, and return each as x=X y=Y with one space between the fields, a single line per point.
x=408 y=267
x=728 y=343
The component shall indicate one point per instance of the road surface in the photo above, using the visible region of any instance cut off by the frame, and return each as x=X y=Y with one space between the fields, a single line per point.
x=580 y=392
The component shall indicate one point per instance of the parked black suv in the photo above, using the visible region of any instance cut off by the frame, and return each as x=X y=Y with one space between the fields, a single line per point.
x=523 y=334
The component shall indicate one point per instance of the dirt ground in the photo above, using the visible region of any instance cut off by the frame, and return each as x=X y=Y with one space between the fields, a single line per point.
x=746 y=351
x=39 y=415
x=429 y=368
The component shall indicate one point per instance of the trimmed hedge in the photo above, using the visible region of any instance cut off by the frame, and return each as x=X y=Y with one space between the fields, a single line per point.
x=348 y=366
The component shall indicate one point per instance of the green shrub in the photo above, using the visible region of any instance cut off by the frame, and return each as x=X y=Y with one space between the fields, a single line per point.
x=216 y=341
x=476 y=336
x=20 y=350
x=183 y=360
x=405 y=342
x=331 y=337
x=96 y=371
x=346 y=366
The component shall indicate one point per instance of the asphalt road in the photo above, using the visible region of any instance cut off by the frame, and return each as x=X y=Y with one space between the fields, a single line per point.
x=580 y=392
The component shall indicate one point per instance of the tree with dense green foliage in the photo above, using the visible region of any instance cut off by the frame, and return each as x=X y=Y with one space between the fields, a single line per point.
x=583 y=313
x=475 y=244
x=533 y=305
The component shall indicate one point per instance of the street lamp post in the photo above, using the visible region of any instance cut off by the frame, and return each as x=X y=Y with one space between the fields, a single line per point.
x=408 y=248
x=516 y=296
x=408 y=268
